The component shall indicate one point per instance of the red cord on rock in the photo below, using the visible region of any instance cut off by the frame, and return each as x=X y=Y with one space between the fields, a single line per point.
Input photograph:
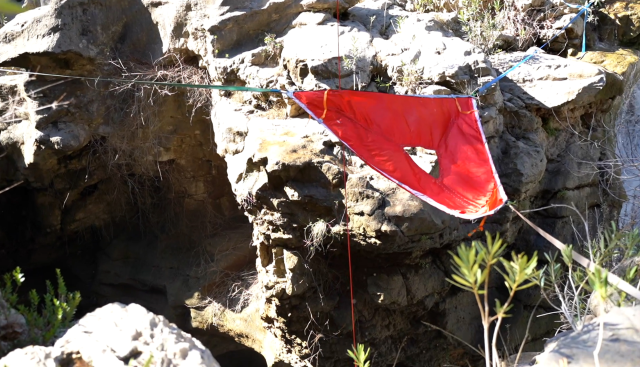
x=346 y=214
x=346 y=205
x=338 y=27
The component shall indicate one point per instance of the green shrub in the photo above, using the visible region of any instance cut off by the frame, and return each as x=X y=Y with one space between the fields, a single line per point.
x=481 y=21
x=424 y=6
x=46 y=316
x=359 y=355
x=572 y=289
x=472 y=268
x=272 y=45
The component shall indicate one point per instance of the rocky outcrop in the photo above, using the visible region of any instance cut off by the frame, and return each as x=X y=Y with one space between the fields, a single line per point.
x=617 y=333
x=117 y=335
x=13 y=326
x=240 y=211
x=626 y=13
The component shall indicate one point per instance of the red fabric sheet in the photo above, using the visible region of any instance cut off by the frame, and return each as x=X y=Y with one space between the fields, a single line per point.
x=378 y=126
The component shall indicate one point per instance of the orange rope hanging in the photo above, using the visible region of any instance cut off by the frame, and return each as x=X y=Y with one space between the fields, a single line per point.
x=344 y=173
x=480 y=227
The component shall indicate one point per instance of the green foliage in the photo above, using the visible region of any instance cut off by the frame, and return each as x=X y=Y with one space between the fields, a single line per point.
x=472 y=268
x=384 y=84
x=371 y=20
x=350 y=60
x=409 y=78
x=481 y=22
x=359 y=355
x=615 y=246
x=569 y=287
x=548 y=128
x=423 y=6
x=273 y=47
x=397 y=23
x=10 y=7
x=47 y=315
x=598 y=282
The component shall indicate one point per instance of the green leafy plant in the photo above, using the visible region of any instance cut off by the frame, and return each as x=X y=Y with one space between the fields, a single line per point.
x=272 y=45
x=381 y=83
x=472 y=268
x=397 y=23
x=571 y=289
x=3 y=20
x=359 y=355
x=409 y=78
x=371 y=20
x=46 y=316
x=351 y=59
x=423 y=6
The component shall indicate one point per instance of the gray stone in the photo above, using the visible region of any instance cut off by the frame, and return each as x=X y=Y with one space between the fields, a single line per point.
x=323 y=5
x=550 y=81
x=423 y=282
x=525 y=5
x=574 y=30
x=522 y=172
x=413 y=216
x=311 y=56
x=388 y=289
x=32 y=356
x=310 y=18
x=620 y=342
x=437 y=90
x=118 y=335
x=13 y=326
x=81 y=28
x=283 y=173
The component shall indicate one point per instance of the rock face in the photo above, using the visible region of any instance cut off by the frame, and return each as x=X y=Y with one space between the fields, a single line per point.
x=117 y=335
x=13 y=326
x=552 y=82
x=627 y=14
x=619 y=330
x=628 y=143
x=142 y=194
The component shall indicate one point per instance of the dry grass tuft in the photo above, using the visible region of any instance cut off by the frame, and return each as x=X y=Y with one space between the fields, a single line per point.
x=233 y=292
x=315 y=235
x=16 y=104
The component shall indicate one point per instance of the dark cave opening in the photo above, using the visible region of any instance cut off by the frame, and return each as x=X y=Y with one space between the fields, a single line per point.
x=241 y=358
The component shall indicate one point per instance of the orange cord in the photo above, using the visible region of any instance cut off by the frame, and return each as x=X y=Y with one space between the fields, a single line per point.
x=480 y=227
x=346 y=213
x=326 y=92
x=460 y=109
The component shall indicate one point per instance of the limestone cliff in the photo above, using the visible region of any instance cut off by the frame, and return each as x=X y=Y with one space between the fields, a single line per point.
x=170 y=197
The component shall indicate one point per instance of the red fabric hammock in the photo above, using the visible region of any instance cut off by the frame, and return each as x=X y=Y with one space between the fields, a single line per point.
x=378 y=126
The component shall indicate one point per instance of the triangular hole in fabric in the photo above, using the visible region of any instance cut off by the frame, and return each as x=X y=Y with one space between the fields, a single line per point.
x=426 y=159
